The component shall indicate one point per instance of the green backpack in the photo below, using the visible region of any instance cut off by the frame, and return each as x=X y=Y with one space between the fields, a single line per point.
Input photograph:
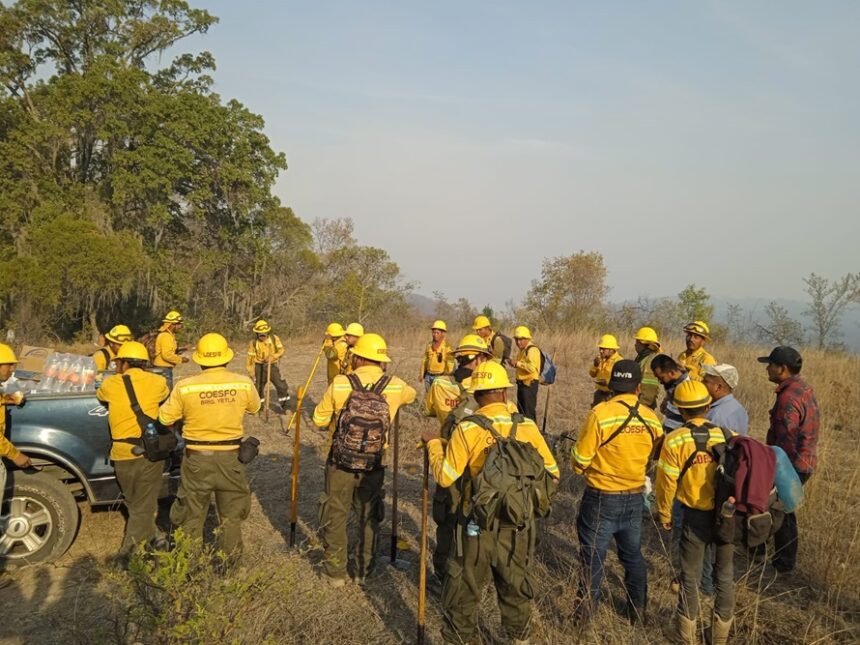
x=513 y=487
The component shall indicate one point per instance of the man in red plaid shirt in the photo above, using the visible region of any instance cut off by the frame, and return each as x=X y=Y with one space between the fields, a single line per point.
x=794 y=428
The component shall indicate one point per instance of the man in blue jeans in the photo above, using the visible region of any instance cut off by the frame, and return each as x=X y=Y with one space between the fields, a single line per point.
x=615 y=444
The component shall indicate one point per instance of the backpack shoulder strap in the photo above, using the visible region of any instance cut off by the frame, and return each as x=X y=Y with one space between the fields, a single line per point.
x=381 y=384
x=701 y=444
x=354 y=382
x=633 y=413
x=485 y=423
x=516 y=420
x=132 y=397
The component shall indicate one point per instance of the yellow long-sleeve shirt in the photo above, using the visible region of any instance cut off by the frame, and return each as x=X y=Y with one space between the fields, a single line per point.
x=335 y=351
x=7 y=448
x=528 y=364
x=398 y=393
x=695 y=361
x=620 y=464
x=469 y=442
x=213 y=405
x=602 y=372
x=150 y=389
x=165 y=350
x=437 y=360
x=696 y=490
x=103 y=357
x=260 y=352
x=444 y=395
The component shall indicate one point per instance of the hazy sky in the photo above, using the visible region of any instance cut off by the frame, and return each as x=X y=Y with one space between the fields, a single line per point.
x=707 y=142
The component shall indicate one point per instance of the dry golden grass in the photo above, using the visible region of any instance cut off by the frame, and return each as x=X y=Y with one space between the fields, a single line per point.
x=819 y=603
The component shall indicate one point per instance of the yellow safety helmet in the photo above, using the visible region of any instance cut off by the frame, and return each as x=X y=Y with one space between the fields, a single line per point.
x=119 y=334
x=472 y=344
x=354 y=329
x=372 y=347
x=480 y=322
x=132 y=350
x=522 y=331
x=700 y=328
x=489 y=376
x=440 y=325
x=212 y=351
x=647 y=335
x=172 y=317
x=335 y=330
x=7 y=355
x=691 y=394
x=262 y=327
x=608 y=341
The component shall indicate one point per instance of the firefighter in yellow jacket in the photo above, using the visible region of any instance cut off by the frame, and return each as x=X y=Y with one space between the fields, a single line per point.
x=503 y=555
x=348 y=490
x=694 y=358
x=353 y=332
x=139 y=479
x=647 y=346
x=601 y=368
x=167 y=350
x=484 y=328
x=213 y=405
x=438 y=359
x=8 y=361
x=335 y=348
x=686 y=471
x=104 y=356
x=263 y=351
x=527 y=366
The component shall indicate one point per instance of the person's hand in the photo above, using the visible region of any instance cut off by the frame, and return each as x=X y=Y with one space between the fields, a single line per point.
x=597 y=362
x=667 y=526
x=22 y=461
x=428 y=435
x=512 y=363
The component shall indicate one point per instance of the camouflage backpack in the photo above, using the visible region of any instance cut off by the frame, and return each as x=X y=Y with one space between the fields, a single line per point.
x=362 y=427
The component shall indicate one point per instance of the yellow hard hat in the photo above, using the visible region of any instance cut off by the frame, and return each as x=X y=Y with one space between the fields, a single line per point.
x=134 y=351
x=7 y=356
x=480 y=322
x=262 y=327
x=335 y=330
x=698 y=327
x=522 y=331
x=647 y=335
x=691 y=394
x=489 y=376
x=608 y=341
x=354 y=329
x=372 y=347
x=212 y=351
x=472 y=344
x=172 y=317
x=119 y=334
x=440 y=325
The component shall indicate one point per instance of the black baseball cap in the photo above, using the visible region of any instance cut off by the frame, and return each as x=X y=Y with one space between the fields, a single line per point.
x=626 y=375
x=783 y=355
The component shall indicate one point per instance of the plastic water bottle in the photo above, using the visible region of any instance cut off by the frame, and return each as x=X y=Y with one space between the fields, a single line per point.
x=472 y=529
x=49 y=380
x=63 y=366
x=88 y=374
x=180 y=441
x=150 y=434
x=73 y=376
x=727 y=510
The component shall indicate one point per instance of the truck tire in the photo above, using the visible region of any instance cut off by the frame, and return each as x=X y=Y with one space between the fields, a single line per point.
x=39 y=519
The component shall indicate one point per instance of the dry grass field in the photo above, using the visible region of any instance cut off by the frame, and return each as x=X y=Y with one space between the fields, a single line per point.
x=76 y=600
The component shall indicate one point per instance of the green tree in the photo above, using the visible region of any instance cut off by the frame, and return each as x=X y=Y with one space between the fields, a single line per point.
x=695 y=304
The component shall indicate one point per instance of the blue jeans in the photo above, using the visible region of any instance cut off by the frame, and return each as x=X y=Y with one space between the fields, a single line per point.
x=601 y=518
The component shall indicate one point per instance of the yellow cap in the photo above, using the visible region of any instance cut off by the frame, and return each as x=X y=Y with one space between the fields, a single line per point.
x=608 y=341
x=7 y=356
x=489 y=376
x=119 y=334
x=698 y=327
x=212 y=351
x=480 y=322
x=134 y=351
x=472 y=344
x=172 y=317
x=262 y=327
x=522 y=332
x=691 y=394
x=647 y=335
x=335 y=330
x=354 y=329
x=372 y=347
x=440 y=325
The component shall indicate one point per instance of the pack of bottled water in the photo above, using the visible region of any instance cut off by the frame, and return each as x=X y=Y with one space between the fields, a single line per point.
x=68 y=373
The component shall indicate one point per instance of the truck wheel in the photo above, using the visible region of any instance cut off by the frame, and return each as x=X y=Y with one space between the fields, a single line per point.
x=38 y=521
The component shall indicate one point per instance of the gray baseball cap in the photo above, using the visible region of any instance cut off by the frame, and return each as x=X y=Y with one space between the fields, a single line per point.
x=725 y=371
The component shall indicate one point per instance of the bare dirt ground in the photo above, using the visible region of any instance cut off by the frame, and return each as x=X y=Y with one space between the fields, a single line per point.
x=69 y=601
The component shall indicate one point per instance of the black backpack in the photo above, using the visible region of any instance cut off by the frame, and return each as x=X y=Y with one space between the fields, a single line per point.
x=358 y=442
x=508 y=343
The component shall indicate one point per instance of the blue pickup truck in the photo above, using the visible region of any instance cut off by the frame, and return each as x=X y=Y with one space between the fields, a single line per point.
x=68 y=439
